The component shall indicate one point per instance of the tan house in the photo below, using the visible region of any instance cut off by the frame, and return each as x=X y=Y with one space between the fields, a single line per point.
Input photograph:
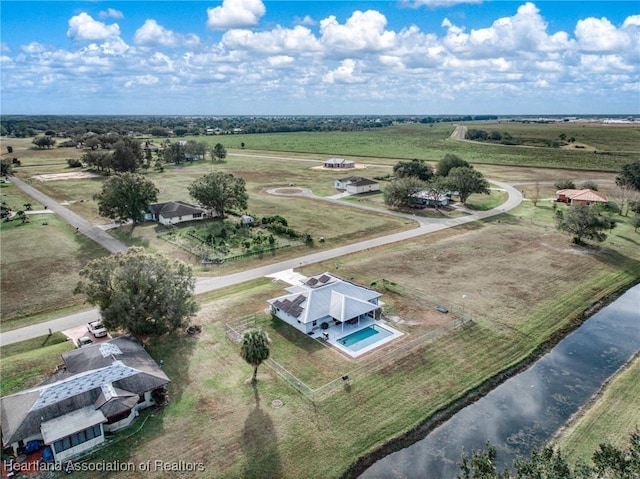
x=583 y=197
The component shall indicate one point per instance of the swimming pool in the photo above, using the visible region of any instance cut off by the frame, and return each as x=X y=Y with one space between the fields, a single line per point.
x=364 y=337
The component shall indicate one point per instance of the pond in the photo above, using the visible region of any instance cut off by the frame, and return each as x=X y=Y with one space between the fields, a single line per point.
x=525 y=411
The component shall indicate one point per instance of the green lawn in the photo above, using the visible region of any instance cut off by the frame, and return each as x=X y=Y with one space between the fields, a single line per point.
x=28 y=363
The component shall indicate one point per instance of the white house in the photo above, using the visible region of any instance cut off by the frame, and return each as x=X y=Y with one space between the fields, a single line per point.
x=174 y=212
x=325 y=298
x=339 y=163
x=356 y=184
x=100 y=389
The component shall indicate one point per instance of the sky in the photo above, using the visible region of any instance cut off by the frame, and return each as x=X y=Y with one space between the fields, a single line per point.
x=331 y=57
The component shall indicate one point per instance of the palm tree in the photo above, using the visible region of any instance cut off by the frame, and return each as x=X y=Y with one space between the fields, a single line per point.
x=255 y=349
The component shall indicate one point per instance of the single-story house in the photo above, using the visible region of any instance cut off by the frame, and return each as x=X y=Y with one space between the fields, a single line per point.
x=356 y=184
x=174 y=212
x=339 y=163
x=583 y=197
x=325 y=298
x=428 y=198
x=100 y=389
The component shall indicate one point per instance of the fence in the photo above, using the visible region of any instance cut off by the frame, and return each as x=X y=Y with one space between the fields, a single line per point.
x=235 y=332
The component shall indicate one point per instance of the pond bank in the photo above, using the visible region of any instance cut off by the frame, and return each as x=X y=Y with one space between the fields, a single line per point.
x=430 y=424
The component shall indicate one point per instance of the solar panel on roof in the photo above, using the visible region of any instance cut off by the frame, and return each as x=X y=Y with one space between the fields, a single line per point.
x=324 y=278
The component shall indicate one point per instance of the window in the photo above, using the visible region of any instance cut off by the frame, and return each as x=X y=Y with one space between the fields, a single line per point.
x=197 y=215
x=77 y=438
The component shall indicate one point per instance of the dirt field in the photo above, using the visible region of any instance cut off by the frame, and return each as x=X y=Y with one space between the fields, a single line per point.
x=74 y=175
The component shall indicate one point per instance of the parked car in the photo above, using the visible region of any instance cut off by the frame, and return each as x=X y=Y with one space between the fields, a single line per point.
x=97 y=329
x=84 y=341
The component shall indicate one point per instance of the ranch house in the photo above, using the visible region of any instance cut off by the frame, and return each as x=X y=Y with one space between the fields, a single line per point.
x=174 y=212
x=583 y=197
x=339 y=163
x=100 y=389
x=325 y=300
x=356 y=184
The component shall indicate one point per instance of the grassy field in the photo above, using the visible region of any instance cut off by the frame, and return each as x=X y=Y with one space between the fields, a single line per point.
x=29 y=362
x=38 y=276
x=615 y=145
x=512 y=269
x=610 y=418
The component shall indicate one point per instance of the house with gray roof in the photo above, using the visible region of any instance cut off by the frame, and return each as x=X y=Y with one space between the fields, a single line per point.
x=324 y=300
x=356 y=184
x=174 y=212
x=100 y=389
x=338 y=163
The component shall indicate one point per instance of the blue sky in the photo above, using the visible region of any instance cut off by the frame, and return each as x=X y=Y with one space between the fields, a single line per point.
x=255 y=57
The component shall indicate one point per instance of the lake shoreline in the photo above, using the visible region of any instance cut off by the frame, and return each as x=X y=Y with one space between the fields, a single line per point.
x=439 y=417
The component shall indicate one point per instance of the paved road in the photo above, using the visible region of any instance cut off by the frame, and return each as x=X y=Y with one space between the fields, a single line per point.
x=88 y=229
x=203 y=285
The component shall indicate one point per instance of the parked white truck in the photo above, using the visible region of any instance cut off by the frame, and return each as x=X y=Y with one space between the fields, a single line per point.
x=97 y=329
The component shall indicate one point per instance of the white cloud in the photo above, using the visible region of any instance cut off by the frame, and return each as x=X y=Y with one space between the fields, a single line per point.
x=111 y=13
x=345 y=73
x=599 y=35
x=307 y=20
x=84 y=27
x=525 y=33
x=34 y=47
x=145 y=80
x=4 y=47
x=151 y=33
x=235 y=14
x=280 y=61
x=298 y=39
x=362 y=32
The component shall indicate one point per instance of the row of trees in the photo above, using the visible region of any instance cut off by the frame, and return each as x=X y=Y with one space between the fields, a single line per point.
x=75 y=127
x=452 y=174
x=130 y=155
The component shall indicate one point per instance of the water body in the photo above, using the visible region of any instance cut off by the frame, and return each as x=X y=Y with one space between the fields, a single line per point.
x=525 y=411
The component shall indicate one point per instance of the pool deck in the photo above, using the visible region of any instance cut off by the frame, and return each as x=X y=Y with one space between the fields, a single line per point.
x=336 y=332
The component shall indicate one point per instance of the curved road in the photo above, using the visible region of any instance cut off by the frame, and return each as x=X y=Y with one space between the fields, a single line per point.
x=203 y=285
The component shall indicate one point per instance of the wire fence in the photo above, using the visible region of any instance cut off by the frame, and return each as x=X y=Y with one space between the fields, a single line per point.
x=235 y=331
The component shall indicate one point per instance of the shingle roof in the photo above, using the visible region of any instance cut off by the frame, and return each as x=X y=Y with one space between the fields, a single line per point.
x=121 y=364
x=174 y=209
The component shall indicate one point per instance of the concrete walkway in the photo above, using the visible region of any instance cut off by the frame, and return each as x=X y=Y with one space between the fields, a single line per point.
x=203 y=285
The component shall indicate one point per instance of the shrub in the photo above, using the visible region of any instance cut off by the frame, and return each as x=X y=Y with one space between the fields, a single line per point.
x=74 y=163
